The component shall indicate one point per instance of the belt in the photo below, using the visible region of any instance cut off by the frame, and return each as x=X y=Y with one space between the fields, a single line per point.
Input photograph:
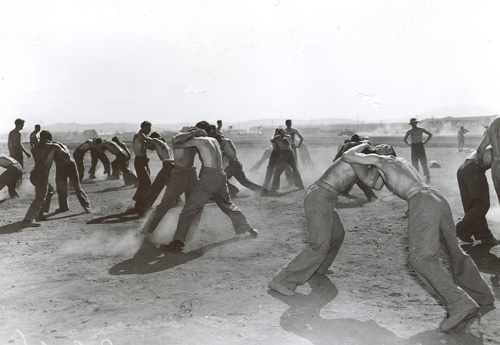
x=327 y=186
x=418 y=190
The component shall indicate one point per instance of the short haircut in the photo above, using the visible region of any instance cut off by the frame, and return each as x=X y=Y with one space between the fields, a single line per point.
x=97 y=141
x=37 y=126
x=155 y=135
x=288 y=121
x=204 y=125
x=45 y=136
x=19 y=122
x=390 y=150
x=115 y=139
x=145 y=124
x=355 y=138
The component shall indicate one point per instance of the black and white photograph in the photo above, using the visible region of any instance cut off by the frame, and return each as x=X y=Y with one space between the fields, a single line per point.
x=278 y=172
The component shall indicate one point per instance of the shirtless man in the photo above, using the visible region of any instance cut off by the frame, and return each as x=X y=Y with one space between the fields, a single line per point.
x=475 y=194
x=34 y=136
x=417 y=147
x=183 y=179
x=286 y=157
x=115 y=173
x=292 y=132
x=430 y=222
x=162 y=179
x=492 y=137
x=141 y=166
x=79 y=153
x=13 y=172
x=66 y=169
x=235 y=168
x=325 y=231
x=43 y=155
x=15 y=145
x=120 y=162
x=461 y=137
x=213 y=182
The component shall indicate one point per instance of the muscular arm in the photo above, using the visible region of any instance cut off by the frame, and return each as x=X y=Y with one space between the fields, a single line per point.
x=368 y=175
x=406 y=138
x=429 y=135
x=182 y=137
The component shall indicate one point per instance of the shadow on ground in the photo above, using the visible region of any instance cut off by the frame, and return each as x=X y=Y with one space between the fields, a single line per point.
x=150 y=259
x=304 y=319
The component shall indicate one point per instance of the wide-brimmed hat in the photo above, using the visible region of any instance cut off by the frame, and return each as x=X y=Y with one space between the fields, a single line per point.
x=413 y=120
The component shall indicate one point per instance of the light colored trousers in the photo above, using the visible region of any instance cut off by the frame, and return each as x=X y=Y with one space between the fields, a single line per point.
x=325 y=233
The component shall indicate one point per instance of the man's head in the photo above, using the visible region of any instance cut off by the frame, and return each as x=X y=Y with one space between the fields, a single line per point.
x=146 y=127
x=19 y=123
x=45 y=136
x=37 y=128
x=281 y=132
x=385 y=150
x=288 y=123
x=355 y=138
x=97 y=141
x=219 y=123
x=204 y=125
x=115 y=139
x=413 y=122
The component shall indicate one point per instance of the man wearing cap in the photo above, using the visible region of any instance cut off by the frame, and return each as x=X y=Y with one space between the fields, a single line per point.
x=417 y=147
x=475 y=200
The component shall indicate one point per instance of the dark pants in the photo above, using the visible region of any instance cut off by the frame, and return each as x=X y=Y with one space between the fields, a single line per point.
x=286 y=158
x=63 y=173
x=162 y=180
x=271 y=166
x=182 y=180
x=235 y=169
x=211 y=183
x=10 y=177
x=475 y=195
x=17 y=154
x=120 y=164
x=96 y=155
x=43 y=194
x=144 y=177
x=78 y=157
x=418 y=154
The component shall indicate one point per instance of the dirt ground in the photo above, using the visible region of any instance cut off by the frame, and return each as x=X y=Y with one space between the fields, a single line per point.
x=83 y=279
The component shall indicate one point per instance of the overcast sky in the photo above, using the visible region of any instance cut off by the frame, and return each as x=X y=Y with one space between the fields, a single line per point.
x=95 y=61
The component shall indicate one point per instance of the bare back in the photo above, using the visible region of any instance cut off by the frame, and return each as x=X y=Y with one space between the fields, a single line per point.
x=228 y=148
x=398 y=175
x=494 y=136
x=184 y=156
x=209 y=151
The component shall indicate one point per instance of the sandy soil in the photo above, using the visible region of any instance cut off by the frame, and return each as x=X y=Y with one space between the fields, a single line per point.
x=82 y=278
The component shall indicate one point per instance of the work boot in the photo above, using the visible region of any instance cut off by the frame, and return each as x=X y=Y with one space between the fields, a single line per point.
x=468 y=310
x=280 y=288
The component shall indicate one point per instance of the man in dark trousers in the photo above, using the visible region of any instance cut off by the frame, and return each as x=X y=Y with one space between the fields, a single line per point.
x=286 y=157
x=417 y=147
x=66 y=170
x=15 y=145
x=475 y=194
x=43 y=155
x=140 y=144
x=212 y=182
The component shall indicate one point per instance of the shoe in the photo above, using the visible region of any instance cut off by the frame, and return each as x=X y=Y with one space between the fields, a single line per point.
x=463 y=315
x=61 y=210
x=92 y=177
x=253 y=232
x=174 y=246
x=30 y=223
x=280 y=288
x=490 y=241
x=466 y=239
x=41 y=217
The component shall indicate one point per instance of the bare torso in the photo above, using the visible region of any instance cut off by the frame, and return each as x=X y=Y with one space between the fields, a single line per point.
x=339 y=175
x=399 y=176
x=139 y=145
